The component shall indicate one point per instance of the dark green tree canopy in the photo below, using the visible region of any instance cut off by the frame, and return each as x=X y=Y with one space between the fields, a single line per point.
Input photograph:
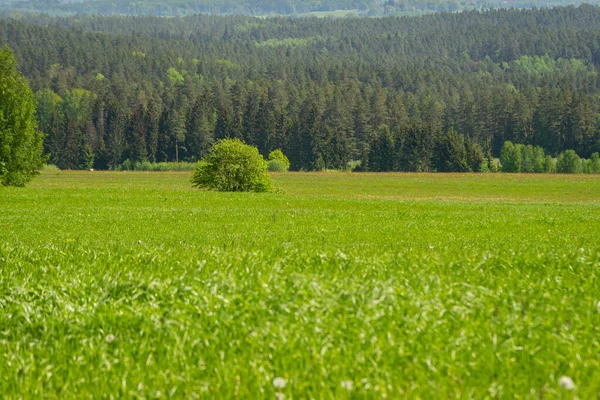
x=452 y=154
x=21 y=144
x=146 y=89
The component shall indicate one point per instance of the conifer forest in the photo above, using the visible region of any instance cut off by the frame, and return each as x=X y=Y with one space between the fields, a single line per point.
x=372 y=94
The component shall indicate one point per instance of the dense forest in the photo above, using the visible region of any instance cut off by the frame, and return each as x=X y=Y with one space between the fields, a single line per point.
x=393 y=93
x=270 y=7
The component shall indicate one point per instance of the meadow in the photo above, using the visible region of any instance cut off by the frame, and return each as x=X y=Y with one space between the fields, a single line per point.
x=345 y=285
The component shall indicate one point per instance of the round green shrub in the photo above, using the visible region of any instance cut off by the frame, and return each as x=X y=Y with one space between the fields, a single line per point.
x=278 y=161
x=277 y=166
x=232 y=166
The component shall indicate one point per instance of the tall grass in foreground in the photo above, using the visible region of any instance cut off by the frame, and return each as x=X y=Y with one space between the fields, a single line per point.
x=134 y=285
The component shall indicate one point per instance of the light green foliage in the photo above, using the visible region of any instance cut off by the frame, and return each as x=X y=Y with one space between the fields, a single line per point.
x=510 y=157
x=50 y=167
x=48 y=105
x=407 y=285
x=278 y=161
x=157 y=166
x=595 y=163
x=494 y=164
x=539 y=157
x=568 y=162
x=288 y=42
x=333 y=14
x=175 y=76
x=227 y=64
x=548 y=65
x=20 y=141
x=232 y=166
x=521 y=158
x=591 y=165
x=527 y=158
x=78 y=104
x=353 y=165
x=485 y=166
x=549 y=165
x=277 y=166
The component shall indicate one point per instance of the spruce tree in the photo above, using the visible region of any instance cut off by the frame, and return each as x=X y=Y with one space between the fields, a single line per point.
x=451 y=154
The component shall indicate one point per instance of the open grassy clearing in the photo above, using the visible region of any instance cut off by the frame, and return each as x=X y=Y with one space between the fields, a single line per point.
x=407 y=285
x=332 y=14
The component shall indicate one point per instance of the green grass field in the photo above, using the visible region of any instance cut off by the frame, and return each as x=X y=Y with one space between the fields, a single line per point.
x=133 y=284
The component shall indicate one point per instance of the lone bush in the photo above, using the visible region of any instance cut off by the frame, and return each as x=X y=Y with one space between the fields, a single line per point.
x=278 y=161
x=232 y=166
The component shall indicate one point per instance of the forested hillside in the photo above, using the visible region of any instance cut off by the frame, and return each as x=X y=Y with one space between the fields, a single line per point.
x=396 y=93
x=332 y=8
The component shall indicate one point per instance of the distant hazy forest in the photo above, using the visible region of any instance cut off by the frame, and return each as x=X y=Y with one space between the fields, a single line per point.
x=270 y=7
x=394 y=93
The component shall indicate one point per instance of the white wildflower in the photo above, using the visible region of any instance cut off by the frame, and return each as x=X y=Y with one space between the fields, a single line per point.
x=279 y=383
x=566 y=383
x=110 y=338
x=279 y=396
x=347 y=385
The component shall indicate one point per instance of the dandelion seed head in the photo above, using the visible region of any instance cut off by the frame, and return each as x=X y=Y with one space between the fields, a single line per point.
x=279 y=396
x=566 y=383
x=347 y=385
x=279 y=383
x=110 y=338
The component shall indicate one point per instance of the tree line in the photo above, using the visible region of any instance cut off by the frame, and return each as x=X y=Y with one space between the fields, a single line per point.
x=393 y=93
x=270 y=7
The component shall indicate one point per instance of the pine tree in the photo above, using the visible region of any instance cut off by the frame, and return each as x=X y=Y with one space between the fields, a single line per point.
x=382 y=150
x=475 y=157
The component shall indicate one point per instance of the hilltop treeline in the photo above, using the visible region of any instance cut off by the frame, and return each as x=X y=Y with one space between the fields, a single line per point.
x=326 y=92
x=269 y=7
x=186 y=7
